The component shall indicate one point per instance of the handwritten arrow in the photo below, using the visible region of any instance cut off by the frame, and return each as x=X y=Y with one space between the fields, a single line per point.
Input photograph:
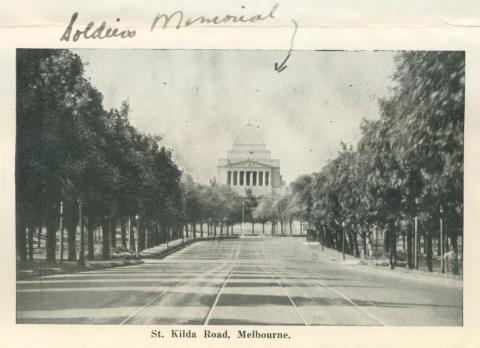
x=282 y=66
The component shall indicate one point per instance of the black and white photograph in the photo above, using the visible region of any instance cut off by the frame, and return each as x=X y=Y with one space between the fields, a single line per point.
x=256 y=188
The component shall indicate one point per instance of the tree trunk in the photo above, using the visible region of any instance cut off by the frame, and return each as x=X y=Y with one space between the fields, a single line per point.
x=131 y=234
x=21 y=242
x=429 y=249
x=393 y=244
x=201 y=229
x=39 y=236
x=81 y=254
x=51 y=242
x=31 y=229
x=72 y=241
x=90 y=247
x=338 y=239
x=364 y=242
x=386 y=242
x=355 y=250
x=113 y=230
x=410 y=263
x=106 y=233
x=263 y=228
x=40 y=224
x=454 y=238
x=253 y=227
x=157 y=234
x=141 y=237
x=152 y=235
x=321 y=236
x=148 y=236
x=439 y=249
x=290 y=226
x=123 y=234
x=353 y=245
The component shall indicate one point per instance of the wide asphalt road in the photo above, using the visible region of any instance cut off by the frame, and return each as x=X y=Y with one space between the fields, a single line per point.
x=249 y=281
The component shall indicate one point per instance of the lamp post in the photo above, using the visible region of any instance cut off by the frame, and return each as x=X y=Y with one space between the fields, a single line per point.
x=168 y=235
x=81 y=256
x=416 y=235
x=442 y=261
x=61 y=232
x=137 y=218
x=243 y=214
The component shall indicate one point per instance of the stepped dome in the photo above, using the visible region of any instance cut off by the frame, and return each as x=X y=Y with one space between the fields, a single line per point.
x=248 y=136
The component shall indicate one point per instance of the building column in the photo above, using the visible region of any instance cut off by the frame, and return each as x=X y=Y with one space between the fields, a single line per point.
x=236 y=178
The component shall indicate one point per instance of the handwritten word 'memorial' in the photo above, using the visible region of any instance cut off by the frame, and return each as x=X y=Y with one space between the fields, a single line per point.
x=178 y=18
x=101 y=32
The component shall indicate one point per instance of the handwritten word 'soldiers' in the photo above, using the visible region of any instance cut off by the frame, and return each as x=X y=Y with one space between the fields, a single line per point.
x=178 y=18
x=101 y=32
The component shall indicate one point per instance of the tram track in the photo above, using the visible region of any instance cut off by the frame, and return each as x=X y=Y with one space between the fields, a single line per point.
x=177 y=285
x=336 y=292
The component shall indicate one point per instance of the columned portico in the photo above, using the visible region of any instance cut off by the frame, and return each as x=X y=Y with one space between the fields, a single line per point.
x=253 y=178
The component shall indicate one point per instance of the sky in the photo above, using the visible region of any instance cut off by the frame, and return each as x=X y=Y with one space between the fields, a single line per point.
x=198 y=100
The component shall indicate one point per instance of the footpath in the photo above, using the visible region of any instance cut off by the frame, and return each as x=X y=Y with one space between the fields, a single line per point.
x=163 y=250
x=331 y=255
x=39 y=268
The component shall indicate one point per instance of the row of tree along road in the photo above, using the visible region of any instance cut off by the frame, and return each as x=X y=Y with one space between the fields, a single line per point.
x=84 y=170
x=405 y=176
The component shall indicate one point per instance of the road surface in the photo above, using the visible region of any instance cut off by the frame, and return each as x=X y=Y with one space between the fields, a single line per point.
x=248 y=281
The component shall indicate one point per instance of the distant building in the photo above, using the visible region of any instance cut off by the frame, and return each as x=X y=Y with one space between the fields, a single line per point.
x=249 y=166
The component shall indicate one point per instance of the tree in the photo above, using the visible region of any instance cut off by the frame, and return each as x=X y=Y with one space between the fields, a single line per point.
x=69 y=149
x=409 y=162
x=264 y=213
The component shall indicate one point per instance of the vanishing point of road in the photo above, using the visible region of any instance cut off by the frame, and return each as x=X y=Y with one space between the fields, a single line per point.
x=245 y=281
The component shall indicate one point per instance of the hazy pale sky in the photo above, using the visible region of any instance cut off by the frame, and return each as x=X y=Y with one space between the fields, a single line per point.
x=199 y=99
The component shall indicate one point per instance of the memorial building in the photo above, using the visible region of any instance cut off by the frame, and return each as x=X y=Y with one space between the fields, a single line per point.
x=249 y=166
